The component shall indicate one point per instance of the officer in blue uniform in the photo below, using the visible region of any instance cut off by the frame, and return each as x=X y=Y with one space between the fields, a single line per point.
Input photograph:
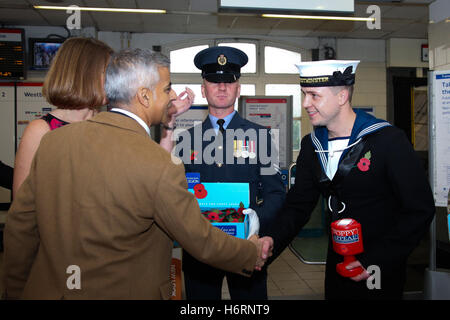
x=234 y=158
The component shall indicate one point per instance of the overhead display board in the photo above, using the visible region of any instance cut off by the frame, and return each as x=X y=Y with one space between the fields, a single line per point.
x=12 y=54
x=341 y=6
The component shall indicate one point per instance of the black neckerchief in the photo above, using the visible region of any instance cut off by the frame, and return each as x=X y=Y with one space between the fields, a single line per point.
x=330 y=188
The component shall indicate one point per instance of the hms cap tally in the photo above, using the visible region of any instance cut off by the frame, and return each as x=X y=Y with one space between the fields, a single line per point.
x=327 y=73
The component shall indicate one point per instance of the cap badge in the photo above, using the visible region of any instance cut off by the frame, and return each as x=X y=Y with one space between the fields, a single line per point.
x=222 y=60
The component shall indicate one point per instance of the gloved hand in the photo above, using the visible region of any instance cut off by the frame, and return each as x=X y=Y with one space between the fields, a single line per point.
x=253 y=222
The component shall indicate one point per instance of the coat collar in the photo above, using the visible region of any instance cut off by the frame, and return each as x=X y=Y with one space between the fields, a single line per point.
x=365 y=124
x=120 y=121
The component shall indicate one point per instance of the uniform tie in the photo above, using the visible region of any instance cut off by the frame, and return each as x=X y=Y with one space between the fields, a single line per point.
x=220 y=122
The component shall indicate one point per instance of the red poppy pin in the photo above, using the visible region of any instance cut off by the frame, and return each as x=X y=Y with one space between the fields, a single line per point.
x=194 y=155
x=200 y=191
x=364 y=162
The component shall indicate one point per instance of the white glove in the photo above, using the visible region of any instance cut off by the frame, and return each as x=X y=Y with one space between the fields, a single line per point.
x=253 y=222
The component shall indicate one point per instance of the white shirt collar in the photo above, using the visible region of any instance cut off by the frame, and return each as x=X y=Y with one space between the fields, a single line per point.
x=135 y=117
x=335 y=149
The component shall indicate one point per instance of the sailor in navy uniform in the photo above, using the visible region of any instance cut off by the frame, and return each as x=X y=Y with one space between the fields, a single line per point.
x=366 y=170
x=241 y=163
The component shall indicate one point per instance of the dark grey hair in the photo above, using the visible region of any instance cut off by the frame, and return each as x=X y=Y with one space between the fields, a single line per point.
x=130 y=69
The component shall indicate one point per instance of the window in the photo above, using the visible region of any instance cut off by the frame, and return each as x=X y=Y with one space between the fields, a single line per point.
x=182 y=60
x=247 y=89
x=250 y=50
x=279 y=60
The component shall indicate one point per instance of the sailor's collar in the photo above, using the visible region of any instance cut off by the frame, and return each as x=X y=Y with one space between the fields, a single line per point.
x=364 y=124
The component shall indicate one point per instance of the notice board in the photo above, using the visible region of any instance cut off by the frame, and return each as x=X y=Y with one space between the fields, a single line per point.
x=439 y=153
x=195 y=114
x=274 y=112
x=7 y=127
x=30 y=105
x=20 y=103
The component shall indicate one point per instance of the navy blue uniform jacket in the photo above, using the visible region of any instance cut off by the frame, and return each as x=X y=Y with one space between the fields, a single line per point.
x=266 y=188
x=391 y=199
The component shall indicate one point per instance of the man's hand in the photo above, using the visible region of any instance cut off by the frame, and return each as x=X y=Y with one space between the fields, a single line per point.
x=181 y=104
x=362 y=276
x=264 y=246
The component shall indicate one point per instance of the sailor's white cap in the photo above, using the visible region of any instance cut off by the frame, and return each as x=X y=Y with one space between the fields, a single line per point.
x=326 y=73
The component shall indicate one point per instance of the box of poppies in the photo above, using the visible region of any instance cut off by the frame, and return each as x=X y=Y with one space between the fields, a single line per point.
x=223 y=204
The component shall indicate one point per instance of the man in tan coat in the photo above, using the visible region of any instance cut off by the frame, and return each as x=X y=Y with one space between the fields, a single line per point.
x=97 y=216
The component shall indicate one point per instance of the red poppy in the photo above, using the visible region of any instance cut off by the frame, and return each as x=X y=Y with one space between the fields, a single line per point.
x=363 y=164
x=213 y=216
x=200 y=191
x=193 y=155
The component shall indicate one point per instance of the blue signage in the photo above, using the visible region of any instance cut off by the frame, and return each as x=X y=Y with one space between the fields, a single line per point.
x=192 y=178
x=231 y=230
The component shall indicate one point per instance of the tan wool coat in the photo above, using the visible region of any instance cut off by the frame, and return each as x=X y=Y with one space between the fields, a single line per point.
x=105 y=199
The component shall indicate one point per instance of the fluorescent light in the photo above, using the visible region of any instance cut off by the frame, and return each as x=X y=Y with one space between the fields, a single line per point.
x=101 y=9
x=289 y=16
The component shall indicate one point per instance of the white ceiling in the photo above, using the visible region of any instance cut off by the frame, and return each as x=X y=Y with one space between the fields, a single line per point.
x=399 y=19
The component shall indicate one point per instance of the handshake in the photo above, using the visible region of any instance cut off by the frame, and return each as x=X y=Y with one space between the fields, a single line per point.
x=264 y=246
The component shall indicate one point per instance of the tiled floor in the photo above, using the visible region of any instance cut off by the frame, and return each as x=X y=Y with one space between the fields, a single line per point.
x=288 y=278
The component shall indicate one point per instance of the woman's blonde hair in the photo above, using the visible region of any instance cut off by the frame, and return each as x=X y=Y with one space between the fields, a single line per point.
x=76 y=75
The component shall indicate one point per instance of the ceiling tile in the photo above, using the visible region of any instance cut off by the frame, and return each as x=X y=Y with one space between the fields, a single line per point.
x=406 y=19
x=12 y=17
x=177 y=5
x=297 y=24
x=414 y=30
x=338 y=26
x=399 y=12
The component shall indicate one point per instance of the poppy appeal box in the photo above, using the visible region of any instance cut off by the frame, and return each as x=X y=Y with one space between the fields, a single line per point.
x=222 y=203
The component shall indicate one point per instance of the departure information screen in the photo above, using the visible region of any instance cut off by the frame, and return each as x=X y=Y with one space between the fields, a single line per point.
x=12 y=54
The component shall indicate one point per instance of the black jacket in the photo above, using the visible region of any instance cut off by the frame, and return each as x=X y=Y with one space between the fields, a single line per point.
x=267 y=191
x=6 y=176
x=392 y=201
